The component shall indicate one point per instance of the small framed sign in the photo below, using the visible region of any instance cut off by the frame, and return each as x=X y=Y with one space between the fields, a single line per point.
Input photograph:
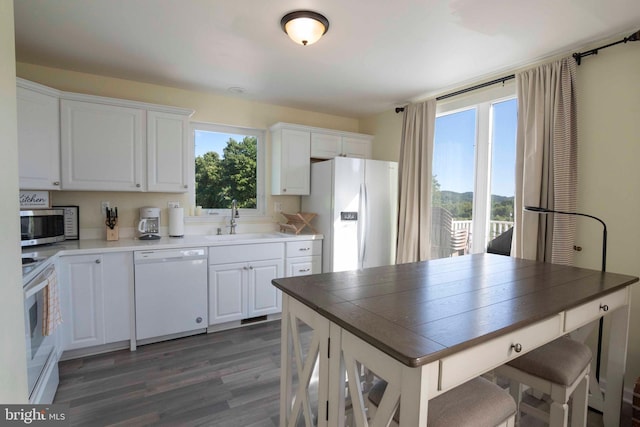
x=71 y=222
x=34 y=200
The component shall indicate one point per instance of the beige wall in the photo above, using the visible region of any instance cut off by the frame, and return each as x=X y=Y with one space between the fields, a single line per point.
x=13 y=368
x=209 y=107
x=387 y=130
x=609 y=176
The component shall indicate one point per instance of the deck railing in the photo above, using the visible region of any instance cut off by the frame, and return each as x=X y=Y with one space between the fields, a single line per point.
x=495 y=227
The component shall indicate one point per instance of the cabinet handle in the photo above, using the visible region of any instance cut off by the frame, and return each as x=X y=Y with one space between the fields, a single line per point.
x=284 y=190
x=251 y=267
x=245 y=268
x=198 y=319
x=604 y=307
x=517 y=347
x=138 y=185
x=186 y=186
x=304 y=270
x=56 y=182
x=304 y=249
x=98 y=261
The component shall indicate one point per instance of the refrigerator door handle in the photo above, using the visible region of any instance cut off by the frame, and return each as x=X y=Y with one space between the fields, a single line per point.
x=363 y=223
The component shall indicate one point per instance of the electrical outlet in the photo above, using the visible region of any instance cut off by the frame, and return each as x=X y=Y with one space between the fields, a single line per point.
x=173 y=204
x=277 y=206
x=103 y=207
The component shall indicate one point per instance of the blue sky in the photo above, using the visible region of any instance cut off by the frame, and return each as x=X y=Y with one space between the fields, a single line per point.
x=454 y=154
x=212 y=141
x=453 y=149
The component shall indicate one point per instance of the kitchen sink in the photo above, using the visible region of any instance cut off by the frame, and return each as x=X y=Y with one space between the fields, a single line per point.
x=243 y=236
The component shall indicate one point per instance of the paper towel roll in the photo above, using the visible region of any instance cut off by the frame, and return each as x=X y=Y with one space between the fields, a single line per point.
x=176 y=222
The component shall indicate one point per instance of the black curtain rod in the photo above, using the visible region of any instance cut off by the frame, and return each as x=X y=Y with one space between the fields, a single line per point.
x=469 y=89
x=579 y=55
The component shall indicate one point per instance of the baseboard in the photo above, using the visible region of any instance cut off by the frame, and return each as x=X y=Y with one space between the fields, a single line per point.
x=627 y=392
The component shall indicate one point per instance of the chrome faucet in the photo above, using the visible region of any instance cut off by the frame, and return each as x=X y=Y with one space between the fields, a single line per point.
x=234 y=214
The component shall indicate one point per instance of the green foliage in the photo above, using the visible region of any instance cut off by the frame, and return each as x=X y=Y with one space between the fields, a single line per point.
x=234 y=176
x=460 y=205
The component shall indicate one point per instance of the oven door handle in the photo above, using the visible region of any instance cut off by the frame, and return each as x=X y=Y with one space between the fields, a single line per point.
x=37 y=284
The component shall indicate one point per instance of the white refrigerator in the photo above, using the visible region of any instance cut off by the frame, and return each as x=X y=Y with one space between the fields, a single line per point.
x=356 y=202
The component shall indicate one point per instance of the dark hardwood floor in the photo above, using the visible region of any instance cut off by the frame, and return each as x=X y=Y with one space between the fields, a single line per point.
x=229 y=378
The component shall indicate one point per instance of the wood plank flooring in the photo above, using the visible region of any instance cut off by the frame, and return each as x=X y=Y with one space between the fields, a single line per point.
x=229 y=378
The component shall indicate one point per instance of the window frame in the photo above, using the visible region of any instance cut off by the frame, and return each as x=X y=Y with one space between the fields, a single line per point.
x=260 y=135
x=482 y=101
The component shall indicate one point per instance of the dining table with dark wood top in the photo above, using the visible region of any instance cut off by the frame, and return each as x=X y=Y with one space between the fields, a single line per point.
x=429 y=326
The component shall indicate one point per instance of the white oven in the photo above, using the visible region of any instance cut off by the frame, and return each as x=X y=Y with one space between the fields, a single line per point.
x=42 y=350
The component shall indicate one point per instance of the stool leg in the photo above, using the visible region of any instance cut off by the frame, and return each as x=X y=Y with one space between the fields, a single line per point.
x=579 y=405
x=515 y=390
x=559 y=414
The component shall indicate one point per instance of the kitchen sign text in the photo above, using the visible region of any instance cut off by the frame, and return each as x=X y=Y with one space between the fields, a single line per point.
x=34 y=199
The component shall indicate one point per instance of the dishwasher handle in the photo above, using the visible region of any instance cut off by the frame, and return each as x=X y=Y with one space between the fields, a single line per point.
x=140 y=257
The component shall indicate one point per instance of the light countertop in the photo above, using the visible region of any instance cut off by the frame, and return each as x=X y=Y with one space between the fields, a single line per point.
x=87 y=247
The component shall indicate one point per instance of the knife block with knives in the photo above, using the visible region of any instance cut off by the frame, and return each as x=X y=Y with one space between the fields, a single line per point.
x=112 y=224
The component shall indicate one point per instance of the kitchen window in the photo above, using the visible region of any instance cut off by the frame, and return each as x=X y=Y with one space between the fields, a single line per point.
x=473 y=171
x=228 y=165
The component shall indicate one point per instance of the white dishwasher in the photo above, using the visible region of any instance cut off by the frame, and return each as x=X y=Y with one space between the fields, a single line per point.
x=170 y=292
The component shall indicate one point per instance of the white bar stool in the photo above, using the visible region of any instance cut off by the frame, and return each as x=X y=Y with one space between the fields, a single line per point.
x=476 y=403
x=559 y=369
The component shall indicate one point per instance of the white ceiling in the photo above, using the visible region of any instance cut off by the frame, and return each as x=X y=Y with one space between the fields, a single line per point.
x=377 y=54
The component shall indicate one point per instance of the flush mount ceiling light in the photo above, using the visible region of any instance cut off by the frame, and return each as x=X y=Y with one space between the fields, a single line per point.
x=304 y=27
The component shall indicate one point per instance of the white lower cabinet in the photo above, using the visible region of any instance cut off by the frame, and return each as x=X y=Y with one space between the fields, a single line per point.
x=227 y=292
x=240 y=281
x=95 y=298
x=303 y=258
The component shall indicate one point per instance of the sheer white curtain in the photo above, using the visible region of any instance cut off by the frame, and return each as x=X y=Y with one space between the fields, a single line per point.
x=546 y=162
x=414 y=193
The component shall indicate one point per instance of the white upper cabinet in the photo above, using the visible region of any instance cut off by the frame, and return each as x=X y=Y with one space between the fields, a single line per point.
x=325 y=145
x=102 y=146
x=38 y=136
x=330 y=145
x=293 y=147
x=356 y=146
x=117 y=145
x=167 y=152
x=291 y=165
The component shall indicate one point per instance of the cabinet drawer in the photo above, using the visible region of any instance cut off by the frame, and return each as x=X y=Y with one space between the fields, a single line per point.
x=304 y=248
x=250 y=252
x=593 y=310
x=303 y=266
x=467 y=364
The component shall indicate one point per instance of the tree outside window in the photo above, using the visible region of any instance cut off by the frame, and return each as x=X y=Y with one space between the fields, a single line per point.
x=227 y=167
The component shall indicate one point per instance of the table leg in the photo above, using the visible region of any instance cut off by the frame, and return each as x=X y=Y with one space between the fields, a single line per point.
x=616 y=363
x=285 y=363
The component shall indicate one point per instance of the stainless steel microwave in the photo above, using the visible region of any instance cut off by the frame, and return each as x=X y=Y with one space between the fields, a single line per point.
x=40 y=226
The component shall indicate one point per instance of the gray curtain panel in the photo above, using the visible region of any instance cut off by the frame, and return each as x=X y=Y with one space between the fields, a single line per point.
x=546 y=162
x=414 y=193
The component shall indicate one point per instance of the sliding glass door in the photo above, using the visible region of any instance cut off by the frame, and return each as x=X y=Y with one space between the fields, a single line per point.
x=473 y=176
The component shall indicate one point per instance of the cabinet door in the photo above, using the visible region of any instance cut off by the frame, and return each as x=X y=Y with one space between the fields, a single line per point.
x=356 y=147
x=264 y=298
x=102 y=146
x=167 y=152
x=82 y=313
x=325 y=146
x=291 y=166
x=38 y=140
x=117 y=286
x=227 y=290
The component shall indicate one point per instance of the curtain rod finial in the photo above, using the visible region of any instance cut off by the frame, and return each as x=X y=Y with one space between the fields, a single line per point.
x=633 y=37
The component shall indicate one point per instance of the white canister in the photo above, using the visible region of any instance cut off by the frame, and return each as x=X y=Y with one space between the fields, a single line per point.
x=176 y=222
